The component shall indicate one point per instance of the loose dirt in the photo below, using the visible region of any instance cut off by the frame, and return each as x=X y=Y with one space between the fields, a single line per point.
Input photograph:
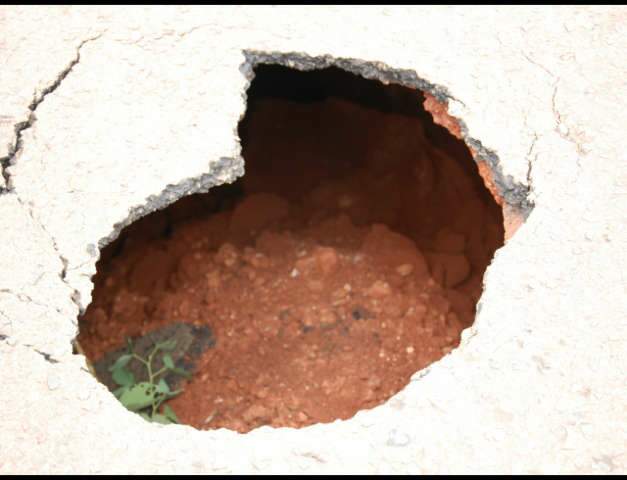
x=352 y=258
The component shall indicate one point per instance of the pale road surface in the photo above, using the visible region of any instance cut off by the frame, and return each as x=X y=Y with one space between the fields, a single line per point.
x=107 y=113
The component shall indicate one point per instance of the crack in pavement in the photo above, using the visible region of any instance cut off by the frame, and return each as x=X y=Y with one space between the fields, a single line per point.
x=25 y=298
x=47 y=356
x=17 y=145
x=561 y=128
x=531 y=162
x=539 y=65
x=75 y=295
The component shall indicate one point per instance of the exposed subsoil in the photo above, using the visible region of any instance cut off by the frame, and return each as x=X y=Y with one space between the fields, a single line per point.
x=349 y=257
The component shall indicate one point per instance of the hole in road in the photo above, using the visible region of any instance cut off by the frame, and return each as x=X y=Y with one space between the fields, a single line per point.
x=349 y=256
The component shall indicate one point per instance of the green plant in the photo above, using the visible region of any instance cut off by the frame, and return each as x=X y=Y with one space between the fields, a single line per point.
x=147 y=397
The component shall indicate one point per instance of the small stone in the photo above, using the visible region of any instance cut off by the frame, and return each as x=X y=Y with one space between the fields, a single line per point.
x=405 y=269
x=449 y=270
x=339 y=294
x=379 y=289
x=255 y=412
x=226 y=255
x=326 y=258
x=259 y=260
x=327 y=317
x=308 y=319
x=294 y=273
x=409 y=350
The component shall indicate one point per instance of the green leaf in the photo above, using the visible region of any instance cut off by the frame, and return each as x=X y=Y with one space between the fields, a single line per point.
x=145 y=416
x=169 y=413
x=139 y=396
x=123 y=377
x=158 y=418
x=181 y=372
x=121 y=362
x=119 y=392
x=163 y=387
x=167 y=361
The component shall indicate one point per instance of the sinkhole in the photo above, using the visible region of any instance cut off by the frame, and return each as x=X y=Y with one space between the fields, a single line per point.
x=347 y=258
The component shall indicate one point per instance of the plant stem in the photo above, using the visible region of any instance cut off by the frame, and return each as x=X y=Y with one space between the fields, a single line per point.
x=137 y=357
x=156 y=403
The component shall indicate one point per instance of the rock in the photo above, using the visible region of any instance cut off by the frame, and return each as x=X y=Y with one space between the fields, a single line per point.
x=255 y=259
x=389 y=247
x=227 y=255
x=323 y=259
x=327 y=318
x=447 y=269
x=405 y=269
x=326 y=259
x=255 y=412
x=379 y=289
